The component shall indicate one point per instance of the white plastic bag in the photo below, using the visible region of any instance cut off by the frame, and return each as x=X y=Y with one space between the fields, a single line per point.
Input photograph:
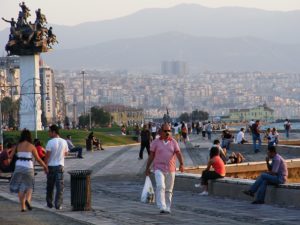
x=148 y=195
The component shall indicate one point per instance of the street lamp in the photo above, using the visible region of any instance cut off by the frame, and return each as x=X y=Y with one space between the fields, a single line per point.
x=34 y=100
x=83 y=92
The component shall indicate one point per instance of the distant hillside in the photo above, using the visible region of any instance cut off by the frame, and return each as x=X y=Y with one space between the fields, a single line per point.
x=281 y=27
x=202 y=53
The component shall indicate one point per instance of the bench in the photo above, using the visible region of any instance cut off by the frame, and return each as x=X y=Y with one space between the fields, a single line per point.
x=89 y=145
x=5 y=175
x=283 y=194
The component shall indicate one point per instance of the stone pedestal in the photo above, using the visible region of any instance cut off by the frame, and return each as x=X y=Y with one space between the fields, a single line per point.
x=30 y=107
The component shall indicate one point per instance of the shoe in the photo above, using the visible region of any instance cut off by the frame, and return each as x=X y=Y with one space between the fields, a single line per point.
x=102 y=148
x=203 y=193
x=258 y=202
x=49 y=205
x=59 y=208
x=23 y=210
x=247 y=192
x=140 y=158
x=80 y=157
x=28 y=206
x=257 y=151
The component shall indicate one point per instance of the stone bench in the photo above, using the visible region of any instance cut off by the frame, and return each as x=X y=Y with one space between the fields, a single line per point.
x=283 y=195
x=5 y=176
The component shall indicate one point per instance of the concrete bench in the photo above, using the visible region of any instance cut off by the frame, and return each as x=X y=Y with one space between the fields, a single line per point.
x=5 y=176
x=283 y=195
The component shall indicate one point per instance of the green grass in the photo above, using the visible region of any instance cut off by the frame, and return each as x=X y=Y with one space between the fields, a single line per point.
x=78 y=137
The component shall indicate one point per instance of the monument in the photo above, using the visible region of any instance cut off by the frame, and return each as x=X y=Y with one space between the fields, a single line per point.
x=28 y=40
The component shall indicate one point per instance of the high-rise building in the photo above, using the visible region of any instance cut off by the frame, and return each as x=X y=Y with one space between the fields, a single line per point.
x=47 y=95
x=174 y=67
x=60 y=106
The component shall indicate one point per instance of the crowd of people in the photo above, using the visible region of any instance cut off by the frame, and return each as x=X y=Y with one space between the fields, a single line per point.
x=19 y=159
x=162 y=149
x=162 y=144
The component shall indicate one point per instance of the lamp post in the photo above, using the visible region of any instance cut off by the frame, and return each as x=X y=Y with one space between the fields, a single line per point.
x=83 y=92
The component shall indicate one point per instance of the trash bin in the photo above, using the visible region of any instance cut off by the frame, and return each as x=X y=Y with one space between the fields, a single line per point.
x=80 y=190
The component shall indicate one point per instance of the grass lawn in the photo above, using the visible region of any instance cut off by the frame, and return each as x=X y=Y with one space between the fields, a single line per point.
x=78 y=136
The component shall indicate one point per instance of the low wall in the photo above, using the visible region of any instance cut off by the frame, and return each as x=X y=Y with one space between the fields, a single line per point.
x=281 y=149
x=284 y=195
x=252 y=170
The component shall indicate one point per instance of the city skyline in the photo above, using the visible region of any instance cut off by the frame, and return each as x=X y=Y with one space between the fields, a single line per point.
x=98 y=10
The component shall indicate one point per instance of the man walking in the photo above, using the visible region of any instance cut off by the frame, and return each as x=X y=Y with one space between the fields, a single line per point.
x=287 y=128
x=277 y=174
x=56 y=150
x=256 y=136
x=163 y=152
x=145 y=141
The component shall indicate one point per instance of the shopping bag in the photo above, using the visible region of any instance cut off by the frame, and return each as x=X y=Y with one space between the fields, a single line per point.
x=148 y=195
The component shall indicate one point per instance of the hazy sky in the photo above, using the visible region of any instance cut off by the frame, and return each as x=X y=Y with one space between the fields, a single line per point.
x=71 y=12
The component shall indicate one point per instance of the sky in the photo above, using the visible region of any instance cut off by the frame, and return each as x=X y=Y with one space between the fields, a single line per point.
x=72 y=12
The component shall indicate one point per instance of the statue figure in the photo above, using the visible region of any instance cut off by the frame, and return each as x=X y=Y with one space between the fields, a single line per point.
x=12 y=24
x=25 y=11
x=21 y=22
x=51 y=38
x=40 y=18
x=28 y=38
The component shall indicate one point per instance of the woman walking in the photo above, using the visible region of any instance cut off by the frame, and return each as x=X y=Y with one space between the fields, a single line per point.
x=23 y=176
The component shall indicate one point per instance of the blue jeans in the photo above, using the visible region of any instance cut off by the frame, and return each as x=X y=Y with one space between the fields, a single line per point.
x=260 y=185
x=208 y=135
x=256 y=137
x=226 y=144
x=287 y=133
x=55 y=177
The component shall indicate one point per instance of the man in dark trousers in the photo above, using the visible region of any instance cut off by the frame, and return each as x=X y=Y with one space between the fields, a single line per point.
x=56 y=150
x=145 y=141
x=277 y=174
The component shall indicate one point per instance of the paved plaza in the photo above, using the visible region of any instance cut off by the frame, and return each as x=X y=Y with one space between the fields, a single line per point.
x=117 y=182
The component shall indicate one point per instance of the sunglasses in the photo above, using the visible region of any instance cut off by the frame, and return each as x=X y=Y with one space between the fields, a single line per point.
x=166 y=131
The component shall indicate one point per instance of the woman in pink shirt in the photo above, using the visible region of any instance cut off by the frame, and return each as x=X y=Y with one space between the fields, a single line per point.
x=219 y=169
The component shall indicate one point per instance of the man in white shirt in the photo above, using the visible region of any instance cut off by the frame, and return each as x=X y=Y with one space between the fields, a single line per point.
x=56 y=150
x=240 y=138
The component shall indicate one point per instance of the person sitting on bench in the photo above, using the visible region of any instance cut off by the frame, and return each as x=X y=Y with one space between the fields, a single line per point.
x=7 y=159
x=72 y=147
x=236 y=158
x=96 y=142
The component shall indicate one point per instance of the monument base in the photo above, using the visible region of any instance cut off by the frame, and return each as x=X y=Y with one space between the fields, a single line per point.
x=30 y=107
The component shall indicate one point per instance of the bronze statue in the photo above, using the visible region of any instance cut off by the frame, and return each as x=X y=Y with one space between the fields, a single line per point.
x=28 y=38
x=40 y=18
x=12 y=24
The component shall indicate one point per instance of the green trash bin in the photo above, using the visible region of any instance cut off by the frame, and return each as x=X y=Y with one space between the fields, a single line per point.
x=80 y=190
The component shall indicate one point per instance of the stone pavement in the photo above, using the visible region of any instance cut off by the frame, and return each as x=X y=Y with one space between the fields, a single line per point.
x=117 y=182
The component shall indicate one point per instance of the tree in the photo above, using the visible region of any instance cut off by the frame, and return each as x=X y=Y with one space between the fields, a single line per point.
x=184 y=117
x=199 y=115
x=83 y=121
x=100 y=117
x=67 y=122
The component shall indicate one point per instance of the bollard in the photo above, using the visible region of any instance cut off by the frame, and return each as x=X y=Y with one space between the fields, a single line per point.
x=80 y=190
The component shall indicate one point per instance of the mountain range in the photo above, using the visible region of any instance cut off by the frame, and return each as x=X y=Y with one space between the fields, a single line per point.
x=229 y=38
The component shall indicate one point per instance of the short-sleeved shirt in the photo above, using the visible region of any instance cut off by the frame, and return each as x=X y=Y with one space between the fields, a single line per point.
x=57 y=147
x=165 y=154
x=240 y=136
x=279 y=166
x=255 y=129
x=218 y=165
